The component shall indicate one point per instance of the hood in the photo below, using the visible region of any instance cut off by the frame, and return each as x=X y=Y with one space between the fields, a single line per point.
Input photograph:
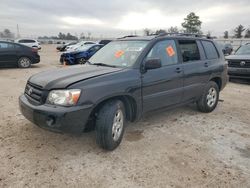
x=238 y=57
x=63 y=77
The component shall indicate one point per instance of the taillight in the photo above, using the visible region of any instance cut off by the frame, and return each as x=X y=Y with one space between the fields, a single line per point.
x=34 y=50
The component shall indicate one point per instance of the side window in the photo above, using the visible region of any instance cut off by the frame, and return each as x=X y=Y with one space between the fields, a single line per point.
x=210 y=50
x=4 y=45
x=189 y=50
x=17 y=46
x=164 y=50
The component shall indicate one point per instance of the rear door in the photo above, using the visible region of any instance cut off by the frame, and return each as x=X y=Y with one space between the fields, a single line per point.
x=163 y=87
x=8 y=55
x=196 y=68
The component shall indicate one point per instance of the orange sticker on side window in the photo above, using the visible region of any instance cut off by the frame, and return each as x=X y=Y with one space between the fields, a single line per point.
x=119 y=53
x=170 y=51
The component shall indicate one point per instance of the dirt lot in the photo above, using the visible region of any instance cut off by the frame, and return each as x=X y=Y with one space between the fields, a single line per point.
x=175 y=148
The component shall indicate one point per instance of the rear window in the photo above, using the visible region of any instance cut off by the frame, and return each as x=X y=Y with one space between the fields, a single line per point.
x=210 y=50
x=26 y=41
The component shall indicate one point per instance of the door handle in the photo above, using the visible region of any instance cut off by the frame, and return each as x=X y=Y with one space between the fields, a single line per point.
x=178 y=70
x=206 y=64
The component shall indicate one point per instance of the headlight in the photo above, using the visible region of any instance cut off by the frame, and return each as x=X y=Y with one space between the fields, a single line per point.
x=64 y=97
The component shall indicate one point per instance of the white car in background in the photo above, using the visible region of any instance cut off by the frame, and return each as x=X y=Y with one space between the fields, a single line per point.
x=29 y=42
x=79 y=44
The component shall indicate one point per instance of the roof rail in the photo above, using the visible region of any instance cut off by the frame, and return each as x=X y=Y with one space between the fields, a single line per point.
x=183 y=34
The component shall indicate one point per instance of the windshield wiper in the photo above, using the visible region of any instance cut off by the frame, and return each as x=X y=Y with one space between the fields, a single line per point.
x=103 y=64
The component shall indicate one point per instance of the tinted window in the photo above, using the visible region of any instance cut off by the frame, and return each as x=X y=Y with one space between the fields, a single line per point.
x=5 y=45
x=164 y=50
x=210 y=50
x=189 y=50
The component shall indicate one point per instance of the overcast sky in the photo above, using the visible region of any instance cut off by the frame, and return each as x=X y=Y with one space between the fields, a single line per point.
x=113 y=18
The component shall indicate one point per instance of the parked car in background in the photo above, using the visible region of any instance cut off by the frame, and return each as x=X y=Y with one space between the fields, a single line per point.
x=63 y=47
x=79 y=44
x=239 y=63
x=104 y=42
x=14 y=54
x=124 y=80
x=227 y=49
x=29 y=42
x=80 y=55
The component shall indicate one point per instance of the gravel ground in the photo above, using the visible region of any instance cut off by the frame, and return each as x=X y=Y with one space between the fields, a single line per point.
x=175 y=148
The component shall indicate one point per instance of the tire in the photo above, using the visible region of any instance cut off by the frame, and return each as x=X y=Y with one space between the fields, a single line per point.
x=24 y=62
x=110 y=125
x=81 y=61
x=209 y=99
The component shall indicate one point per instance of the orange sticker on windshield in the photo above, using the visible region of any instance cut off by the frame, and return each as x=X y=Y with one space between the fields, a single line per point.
x=119 y=53
x=170 y=51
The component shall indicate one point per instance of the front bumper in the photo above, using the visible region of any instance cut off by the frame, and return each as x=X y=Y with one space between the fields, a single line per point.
x=56 y=118
x=239 y=72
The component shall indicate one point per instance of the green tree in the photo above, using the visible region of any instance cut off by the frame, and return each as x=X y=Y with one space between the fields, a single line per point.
x=82 y=36
x=192 y=23
x=160 y=31
x=247 y=34
x=173 y=30
x=238 y=31
x=226 y=35
x=7 y=34
x=147 y=32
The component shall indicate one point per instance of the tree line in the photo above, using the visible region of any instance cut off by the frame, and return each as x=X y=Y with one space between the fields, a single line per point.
x=192 y=24
x=6 y=33
x=239 y=32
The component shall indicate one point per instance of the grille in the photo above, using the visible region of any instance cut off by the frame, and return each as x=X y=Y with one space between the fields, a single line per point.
x=34 y=93
x=239 y=64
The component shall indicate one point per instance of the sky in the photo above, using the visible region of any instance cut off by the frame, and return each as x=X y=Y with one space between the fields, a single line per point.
x=115 y=18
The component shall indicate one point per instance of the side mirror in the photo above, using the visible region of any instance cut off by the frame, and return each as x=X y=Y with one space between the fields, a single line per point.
x=152 y=64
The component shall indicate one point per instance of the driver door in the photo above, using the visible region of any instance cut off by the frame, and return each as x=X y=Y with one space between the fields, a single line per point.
x=163 y=87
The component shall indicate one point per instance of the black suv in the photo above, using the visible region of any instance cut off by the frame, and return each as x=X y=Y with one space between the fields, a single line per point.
x=124 y=80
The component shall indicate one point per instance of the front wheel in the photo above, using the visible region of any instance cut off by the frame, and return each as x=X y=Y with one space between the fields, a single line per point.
x=110 y=124
x=209 y=99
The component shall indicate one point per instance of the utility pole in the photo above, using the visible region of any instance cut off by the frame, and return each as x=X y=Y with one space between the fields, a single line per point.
x=17 y=31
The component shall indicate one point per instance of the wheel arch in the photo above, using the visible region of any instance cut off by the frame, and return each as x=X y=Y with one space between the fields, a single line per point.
x=218 y=81
x=129 y=104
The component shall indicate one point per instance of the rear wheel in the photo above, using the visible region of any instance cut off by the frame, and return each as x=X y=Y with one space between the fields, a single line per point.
x=209 y=99
x=24 y=62
x=110 y=124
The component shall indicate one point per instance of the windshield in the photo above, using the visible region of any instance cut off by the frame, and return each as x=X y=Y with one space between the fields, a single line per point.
x=119 y=53
x=243 y=50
